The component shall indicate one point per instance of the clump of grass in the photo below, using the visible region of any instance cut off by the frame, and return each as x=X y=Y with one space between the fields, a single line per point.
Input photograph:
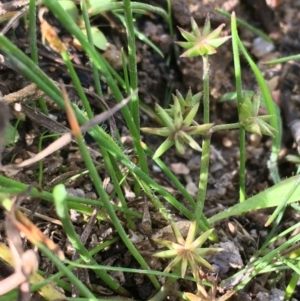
x=179 y=125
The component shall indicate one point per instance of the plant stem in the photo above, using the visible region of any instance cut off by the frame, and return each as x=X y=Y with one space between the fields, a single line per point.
x=134 y=6
x=291 y=288
x=222 y=127
x=239 y=92
x=133 y=80
x=125 y=71
x=33 y=46
x=134 y=104
x=170 y=23
x=109 y=163
x=32 y=31
x=254 y=30
x=203 y=178
x=205 y=89
x=77 y=84
x=90 y=39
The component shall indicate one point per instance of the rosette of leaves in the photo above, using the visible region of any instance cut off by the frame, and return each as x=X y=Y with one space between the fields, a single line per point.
x=250 y=120
x=178 y=126
x=187 y=252
x=201 y=43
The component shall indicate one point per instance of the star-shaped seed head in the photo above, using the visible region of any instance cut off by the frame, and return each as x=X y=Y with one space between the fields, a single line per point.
x=250 y=120
x=179 y=125
x=187 y=252
x=201 y=43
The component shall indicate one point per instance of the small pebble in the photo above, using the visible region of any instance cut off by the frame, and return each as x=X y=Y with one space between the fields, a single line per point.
x=191 y=188
x=180 y=169
x=260 y=47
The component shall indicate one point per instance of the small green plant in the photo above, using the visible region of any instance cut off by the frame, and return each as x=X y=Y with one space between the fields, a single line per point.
x=198 y=44
x=201 y=44
x=250 y=120
x=177 y=121
x=11 y=134
x=187 y=252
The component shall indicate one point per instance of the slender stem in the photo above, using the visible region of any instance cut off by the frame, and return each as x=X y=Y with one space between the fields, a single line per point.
x=132 y=61
x=41 y=163
x=203 y=178
x=33 y=46
x=222 y=127
x=77 y=84
x=275 y=121
x=239 y=92
x=118 y=79
x=291 y=288
x=246 y=25
x=125 y=71
x=285 y=59
x=205 y=89
x=170 y=23
x=32 y=31
x=112 y=169
x=134 y=6
x=90 y=39
x=204 y=165
x=133 y=79
x=60 y=193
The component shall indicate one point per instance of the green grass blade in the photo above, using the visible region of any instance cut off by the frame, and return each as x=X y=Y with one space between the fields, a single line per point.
x=90 y=39
x=271 y=197
x=283 y=59
x=134 y=6
x=282 y=205
x=33 y=45
x=251 y=28
x=99 y=62
x=59 y=194
x=74 y=280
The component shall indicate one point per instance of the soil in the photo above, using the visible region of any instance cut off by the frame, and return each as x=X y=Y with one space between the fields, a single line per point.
x=157 y=80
